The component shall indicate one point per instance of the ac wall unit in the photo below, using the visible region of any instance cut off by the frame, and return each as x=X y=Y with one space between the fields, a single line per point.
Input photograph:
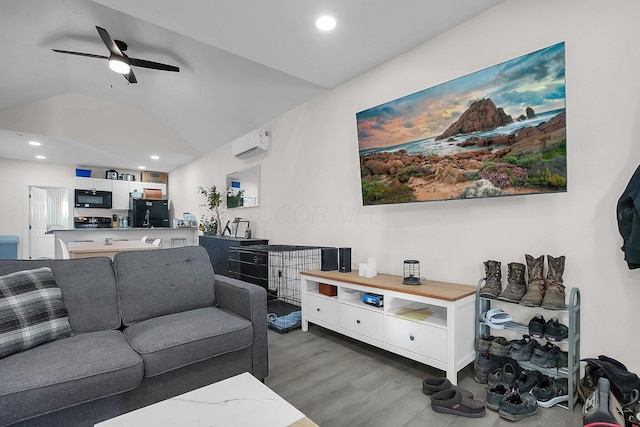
x=251 y=144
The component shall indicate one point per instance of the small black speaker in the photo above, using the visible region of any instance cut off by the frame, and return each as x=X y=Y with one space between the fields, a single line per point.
x=329 y=259
x=345 y=260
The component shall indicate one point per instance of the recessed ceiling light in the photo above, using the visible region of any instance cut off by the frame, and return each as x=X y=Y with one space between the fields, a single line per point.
x=36 y=143
x=155 y=157
x=326 y=23
x=40 y=157
x=142 y=167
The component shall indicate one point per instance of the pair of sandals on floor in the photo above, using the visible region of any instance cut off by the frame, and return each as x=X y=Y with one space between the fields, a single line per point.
x=495 y=318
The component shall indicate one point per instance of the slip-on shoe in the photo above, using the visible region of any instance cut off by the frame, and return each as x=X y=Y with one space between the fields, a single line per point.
x=451 y=401
x=433 y=385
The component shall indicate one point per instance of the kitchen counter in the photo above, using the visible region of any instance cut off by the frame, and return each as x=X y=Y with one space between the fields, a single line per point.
x=121 y=233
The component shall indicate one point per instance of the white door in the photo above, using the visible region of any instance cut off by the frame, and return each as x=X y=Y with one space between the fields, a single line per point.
x=37 y=222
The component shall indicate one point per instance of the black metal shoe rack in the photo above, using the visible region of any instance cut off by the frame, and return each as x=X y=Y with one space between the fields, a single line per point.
x=572 y=343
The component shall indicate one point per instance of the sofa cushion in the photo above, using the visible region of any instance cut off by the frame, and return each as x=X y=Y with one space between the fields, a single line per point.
x=88 y=289
x=31 y=310
x=176 y=340
x=66 y=372
x=157 y=283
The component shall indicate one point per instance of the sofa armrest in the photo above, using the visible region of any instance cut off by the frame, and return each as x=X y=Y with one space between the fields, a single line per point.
x=249 y=301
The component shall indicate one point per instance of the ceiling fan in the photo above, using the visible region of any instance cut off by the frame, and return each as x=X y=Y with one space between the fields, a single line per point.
x=118 y=60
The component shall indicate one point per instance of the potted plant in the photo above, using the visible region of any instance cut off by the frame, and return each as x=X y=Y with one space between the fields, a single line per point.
x=211 y=225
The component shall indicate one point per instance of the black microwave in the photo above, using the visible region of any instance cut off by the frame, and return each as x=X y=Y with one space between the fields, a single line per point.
x=93 y=199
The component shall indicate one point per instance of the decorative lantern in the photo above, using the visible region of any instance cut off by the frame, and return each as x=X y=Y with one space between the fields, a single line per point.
x=411 y=272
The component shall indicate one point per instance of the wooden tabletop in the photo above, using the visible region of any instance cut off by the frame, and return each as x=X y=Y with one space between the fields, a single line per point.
x=93 y=249
x=429 y=288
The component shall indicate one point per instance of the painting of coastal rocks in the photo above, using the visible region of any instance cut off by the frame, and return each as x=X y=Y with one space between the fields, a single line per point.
x=500 y=131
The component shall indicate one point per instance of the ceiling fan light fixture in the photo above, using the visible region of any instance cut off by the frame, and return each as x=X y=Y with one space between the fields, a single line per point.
x=119 y=65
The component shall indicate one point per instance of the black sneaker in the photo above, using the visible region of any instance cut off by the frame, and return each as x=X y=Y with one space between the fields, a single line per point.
x=507 y=374
x=537 y=326
x=495 y=395
x=555 y=331
x=500 y=347
x=484 y=364
x=563 y=359
x=527 y=380
x=522 y=349
x=551 y=391
x=545 y=356
x=515 y=406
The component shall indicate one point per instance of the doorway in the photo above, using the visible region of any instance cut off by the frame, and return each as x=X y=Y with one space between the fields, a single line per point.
x=48 y=210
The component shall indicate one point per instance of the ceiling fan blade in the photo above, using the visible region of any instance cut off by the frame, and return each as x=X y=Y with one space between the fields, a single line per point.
x=131 y=78
x=108 y=41
x=90 y=55
x=153 y=65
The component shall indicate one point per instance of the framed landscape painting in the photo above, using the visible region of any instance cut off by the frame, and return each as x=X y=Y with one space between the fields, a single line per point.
x=500 y=131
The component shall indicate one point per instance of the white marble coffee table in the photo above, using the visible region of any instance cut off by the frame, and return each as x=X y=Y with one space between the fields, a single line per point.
x=235 y=402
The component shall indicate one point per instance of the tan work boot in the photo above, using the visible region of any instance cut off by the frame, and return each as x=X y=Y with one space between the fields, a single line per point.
x=554 y=295
x=516 y=286
x=536 y=285
x=493 y=280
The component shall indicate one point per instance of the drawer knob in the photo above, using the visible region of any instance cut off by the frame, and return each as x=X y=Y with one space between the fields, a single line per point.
x=411 y=337
x=358 y=322
x=317 y=309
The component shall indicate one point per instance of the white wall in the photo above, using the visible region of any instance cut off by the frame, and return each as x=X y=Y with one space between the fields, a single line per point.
x=15 y=177
x=310 y=188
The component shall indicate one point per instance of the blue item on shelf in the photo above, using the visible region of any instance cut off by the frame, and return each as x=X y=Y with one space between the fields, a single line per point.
x=85 y=173
x=373 y=299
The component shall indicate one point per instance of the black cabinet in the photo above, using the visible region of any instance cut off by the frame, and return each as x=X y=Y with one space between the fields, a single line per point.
x=218 y=249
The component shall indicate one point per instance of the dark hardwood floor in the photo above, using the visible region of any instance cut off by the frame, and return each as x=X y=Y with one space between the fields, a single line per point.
x=337 y=381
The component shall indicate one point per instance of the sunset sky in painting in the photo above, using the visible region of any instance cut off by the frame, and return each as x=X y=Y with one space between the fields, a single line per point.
x=535 y=80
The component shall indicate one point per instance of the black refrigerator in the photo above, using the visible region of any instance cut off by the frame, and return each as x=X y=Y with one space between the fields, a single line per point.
x=148 y=213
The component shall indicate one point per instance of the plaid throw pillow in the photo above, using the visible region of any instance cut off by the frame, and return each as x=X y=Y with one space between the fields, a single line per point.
x=31 y=310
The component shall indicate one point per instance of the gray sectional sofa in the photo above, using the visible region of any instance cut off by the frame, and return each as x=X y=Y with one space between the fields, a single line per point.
x=148 y=326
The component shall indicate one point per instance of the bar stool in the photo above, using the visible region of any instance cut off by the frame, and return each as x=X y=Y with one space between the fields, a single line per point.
x=178 y=241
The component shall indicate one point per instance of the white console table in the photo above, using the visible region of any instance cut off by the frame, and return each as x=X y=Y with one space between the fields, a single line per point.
x=432 y=323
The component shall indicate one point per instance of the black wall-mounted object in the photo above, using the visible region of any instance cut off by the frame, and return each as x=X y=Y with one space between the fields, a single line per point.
x=345 y=260
x=329 y=259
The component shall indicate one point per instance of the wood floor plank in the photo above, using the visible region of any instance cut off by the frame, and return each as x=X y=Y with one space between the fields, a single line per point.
x=340 y=382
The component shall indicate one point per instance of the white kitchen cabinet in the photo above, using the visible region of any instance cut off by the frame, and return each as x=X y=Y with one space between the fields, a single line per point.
x=94 y=184
x=120 y=196
x=431 y=323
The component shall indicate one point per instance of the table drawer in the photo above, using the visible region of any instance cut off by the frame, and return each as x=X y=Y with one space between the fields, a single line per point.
x=363 y=321
x=419 y=338
x=321 y=309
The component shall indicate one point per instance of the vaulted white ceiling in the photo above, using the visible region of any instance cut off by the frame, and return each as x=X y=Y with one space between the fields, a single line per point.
x=242 y=63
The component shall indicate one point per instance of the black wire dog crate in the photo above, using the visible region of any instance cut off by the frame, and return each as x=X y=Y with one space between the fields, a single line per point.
x=277 y=269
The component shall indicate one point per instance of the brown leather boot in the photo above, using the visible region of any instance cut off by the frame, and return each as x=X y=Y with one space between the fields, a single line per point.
x=516 y=286
x=493 y=280
x=536 y=286
x=554 y=295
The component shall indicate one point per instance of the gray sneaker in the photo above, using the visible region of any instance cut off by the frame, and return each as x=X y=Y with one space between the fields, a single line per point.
x=484 y=343
x=500 y=347
x=515 y=406
x=495 y=395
